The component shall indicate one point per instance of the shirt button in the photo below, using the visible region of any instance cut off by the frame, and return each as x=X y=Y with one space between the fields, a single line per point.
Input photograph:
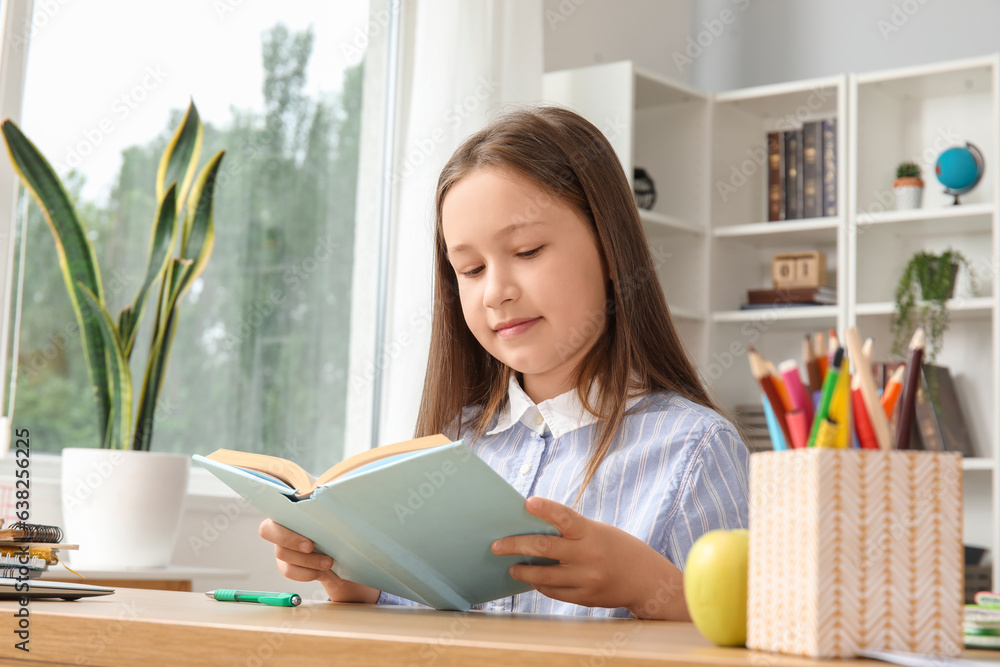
x=539 y=419
x=525 y=469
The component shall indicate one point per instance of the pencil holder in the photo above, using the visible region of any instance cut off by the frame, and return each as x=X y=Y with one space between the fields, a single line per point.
x=855 y=549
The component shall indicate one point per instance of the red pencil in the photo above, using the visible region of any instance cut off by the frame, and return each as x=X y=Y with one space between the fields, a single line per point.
x=862 y=425
x=759 y=369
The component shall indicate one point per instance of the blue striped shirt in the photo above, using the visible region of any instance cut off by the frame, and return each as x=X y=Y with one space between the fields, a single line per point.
x=678 y=471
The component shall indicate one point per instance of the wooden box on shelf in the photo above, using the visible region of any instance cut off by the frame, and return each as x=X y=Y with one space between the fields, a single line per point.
x=798 y=269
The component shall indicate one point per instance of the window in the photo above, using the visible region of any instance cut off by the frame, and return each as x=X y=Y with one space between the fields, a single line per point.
x=260 y=357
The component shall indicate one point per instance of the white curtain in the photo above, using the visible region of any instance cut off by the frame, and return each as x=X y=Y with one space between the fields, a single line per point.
x=461 y=61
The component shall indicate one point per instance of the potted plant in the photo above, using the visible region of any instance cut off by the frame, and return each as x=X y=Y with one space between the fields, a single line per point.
x=928 y=281
x=121 y=503
x=908 y=186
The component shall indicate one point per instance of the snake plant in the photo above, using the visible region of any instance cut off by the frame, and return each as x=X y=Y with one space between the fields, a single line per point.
x=183 y=223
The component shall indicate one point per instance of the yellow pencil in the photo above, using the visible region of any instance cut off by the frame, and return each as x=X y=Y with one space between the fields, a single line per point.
x=840 y=408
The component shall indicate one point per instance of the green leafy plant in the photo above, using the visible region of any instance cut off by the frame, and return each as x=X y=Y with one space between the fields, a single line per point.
x=928 y=281
x=908 y=170
x=183 y=221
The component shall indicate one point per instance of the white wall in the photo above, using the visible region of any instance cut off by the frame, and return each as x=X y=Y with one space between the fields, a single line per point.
x=725 y=44
x=770 y=41
x=586 y=32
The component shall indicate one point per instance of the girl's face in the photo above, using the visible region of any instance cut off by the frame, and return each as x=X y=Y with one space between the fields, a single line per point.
x=531 y=277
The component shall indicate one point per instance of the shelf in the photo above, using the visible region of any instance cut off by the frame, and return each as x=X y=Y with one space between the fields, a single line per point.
x=962 y=77
x=980 y=306
x=795 y=314
x=978 y=463
x=653 y=90
x=963 y=219
x=817 y=96
x=810 y=231
x=669 y=223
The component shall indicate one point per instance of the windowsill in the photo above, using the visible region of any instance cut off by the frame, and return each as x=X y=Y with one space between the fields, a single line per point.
x=204 y=489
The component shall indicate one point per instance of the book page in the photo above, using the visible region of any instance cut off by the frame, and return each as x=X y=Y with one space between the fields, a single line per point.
x=371 y=455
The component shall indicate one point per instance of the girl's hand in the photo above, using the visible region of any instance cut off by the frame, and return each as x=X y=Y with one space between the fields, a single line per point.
x=599 y=565
x=297 y=561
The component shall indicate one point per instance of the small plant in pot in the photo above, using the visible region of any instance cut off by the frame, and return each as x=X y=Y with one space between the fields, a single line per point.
x=122 y=503
x=908 y=186
x=928 y=281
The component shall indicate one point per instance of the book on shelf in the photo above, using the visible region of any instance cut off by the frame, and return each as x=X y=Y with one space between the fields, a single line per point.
x=775 y=176
x=811 y=296
x=812 y=146
x=793 y=174
x=414 y=519
x=753 y=427
x=938 y=415
x=802 y=171
x=828 y=172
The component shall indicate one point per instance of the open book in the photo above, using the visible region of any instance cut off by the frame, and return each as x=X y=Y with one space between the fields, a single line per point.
x=414 y=519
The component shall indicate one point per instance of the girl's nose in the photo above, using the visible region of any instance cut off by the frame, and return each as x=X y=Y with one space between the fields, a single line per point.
x=500 y=287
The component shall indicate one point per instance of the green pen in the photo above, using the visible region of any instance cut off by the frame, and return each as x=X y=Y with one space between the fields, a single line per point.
x=260 y=597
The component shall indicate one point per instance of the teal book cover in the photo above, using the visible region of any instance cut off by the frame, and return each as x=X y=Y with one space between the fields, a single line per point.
x=418 y=525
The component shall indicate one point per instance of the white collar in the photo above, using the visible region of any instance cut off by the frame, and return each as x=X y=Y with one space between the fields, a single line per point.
x=561 y=415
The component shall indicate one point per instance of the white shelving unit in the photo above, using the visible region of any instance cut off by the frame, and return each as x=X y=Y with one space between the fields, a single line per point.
x=706 y=154
x=915 y=113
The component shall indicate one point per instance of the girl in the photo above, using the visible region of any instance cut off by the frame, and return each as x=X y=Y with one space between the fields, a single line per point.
x=554 y=357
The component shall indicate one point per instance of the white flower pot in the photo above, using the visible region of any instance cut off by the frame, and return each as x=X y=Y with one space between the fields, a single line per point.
x=122 y=507
x=908 y=197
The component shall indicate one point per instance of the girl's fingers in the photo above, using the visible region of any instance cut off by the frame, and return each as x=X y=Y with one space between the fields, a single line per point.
x=296 y=573
x=316 y=562
x=283 y=537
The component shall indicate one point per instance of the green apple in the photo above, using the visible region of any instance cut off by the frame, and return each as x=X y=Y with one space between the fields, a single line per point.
x=715 y=586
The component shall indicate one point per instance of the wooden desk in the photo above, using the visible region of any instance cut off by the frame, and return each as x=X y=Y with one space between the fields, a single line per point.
x=148 y=627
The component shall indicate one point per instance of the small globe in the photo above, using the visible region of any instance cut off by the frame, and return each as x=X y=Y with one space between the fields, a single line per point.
x=959 y=169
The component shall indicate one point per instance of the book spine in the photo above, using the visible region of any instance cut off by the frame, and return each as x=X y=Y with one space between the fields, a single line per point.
x=812 y=143
x=930 y=434
x=793 y=175
x=947 y=410
x=775 y=176
x=829 y=167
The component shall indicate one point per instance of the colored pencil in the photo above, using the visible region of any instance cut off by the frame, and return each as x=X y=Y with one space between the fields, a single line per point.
x=840 y=407
x=758 y=367
x=831 y=347
x=893 y=388
x=798 y=424
x=819 y=351
x=868 y=349
x=812 y=366
x=829 y=384
x=909 y=400
x=880 y=425
x=796 y=391
x=777 y=434
x=779 y=384
x=826 y=434
x=862 y=425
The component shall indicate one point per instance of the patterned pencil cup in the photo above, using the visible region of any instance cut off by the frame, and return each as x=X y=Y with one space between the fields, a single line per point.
x=855 y=549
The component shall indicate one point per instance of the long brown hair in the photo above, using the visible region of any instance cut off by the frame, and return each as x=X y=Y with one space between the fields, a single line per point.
x=639 y=350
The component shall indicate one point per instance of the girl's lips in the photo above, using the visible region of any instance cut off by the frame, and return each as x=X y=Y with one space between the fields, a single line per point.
x=517 y=329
